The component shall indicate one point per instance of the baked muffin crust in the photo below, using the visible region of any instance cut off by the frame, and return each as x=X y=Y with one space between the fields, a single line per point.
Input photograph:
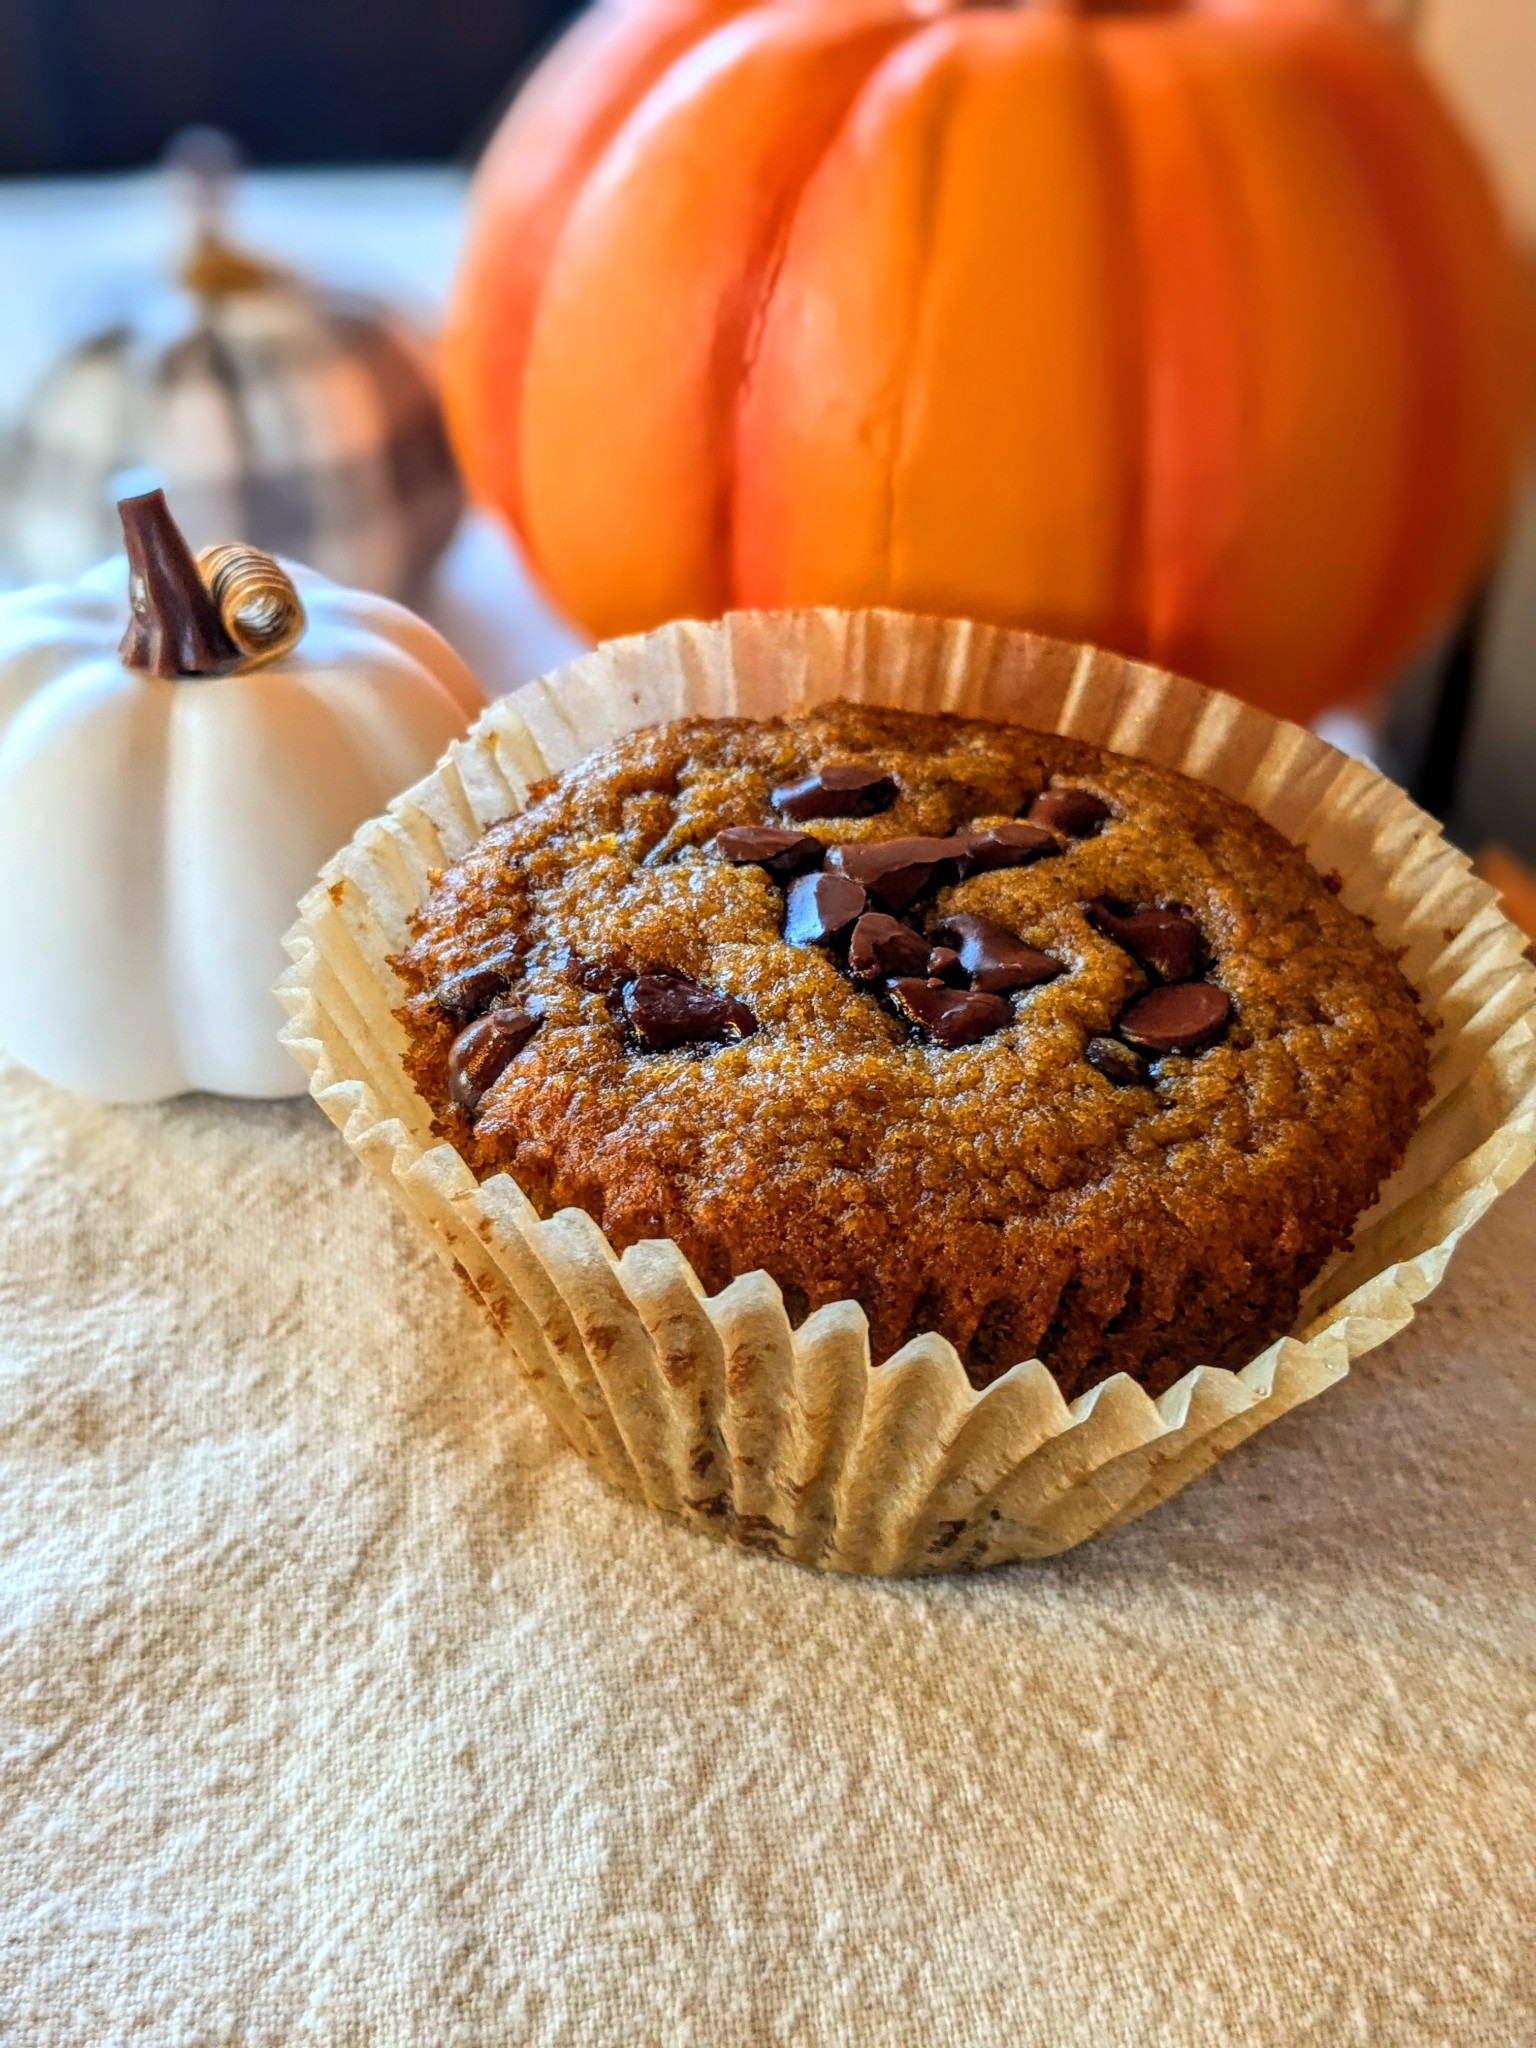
x=1057 y=1186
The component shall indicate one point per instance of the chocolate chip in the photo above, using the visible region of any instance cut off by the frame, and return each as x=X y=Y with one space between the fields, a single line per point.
x=1076 y=812
x=473 y=989
x=664 y=1010
x=769 y=846
x=604 y=977
x=894 y=871
x=883 y=946
x=1116 y=1062
x=1183 y=1016
x=953 y=1016
x=820 y=908
x=484 y=1050
x=994 y=957
x=1161 y=940
x=944 y=965
x=1001 y=846
x=843 y=789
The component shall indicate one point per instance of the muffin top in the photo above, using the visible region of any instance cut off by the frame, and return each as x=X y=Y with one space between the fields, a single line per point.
x=999 y=1034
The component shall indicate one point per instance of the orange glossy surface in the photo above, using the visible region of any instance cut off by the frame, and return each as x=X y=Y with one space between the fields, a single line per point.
x=1195 y=334
x=647 y=308
x=532 y=172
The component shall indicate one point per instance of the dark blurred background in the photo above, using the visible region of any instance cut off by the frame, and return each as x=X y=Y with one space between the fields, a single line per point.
x=98 y=85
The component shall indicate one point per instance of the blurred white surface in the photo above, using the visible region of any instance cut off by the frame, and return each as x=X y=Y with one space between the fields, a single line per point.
x=79 y=252
x=1483 y=53
x=483 y=601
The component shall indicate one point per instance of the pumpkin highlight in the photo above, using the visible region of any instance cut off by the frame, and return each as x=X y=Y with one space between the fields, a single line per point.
x=1196 y=334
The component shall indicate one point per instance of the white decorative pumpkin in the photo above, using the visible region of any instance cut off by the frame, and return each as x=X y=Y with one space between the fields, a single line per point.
x=157 y=829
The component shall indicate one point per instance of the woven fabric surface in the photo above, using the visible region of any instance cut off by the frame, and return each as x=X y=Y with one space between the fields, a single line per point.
x=339 y=1704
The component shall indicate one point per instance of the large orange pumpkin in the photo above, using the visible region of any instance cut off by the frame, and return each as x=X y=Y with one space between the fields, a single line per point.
x=1194 y=331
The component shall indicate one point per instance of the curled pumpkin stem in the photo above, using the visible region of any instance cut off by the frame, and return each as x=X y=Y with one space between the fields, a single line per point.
x=258 y=606
x=174 y=628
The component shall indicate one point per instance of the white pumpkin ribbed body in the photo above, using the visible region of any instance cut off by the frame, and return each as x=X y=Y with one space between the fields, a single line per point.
x=156 y=834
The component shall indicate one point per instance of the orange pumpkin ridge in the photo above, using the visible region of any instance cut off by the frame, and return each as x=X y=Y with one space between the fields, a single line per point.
x=1192 y=331
x=1442 y=229
x=522 y=197
x=1197 y=323
x=831 y=488
x=652 y=290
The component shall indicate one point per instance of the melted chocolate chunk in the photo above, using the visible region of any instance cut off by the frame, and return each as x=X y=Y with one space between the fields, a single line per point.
x=820 y=908
x=769 y=846
x=484 y=1050
x=1183 y=1016
x=1002 y=846
x=952 y=1016
x=996 y=958
x=603 y=977
x=473 y=989
x=894 y=871
x=883 y=947
x=843 y=789
x=1076 y=812
x=944 y=965
x=1117 y=1062
x=664 y=1010
x=1165 y=943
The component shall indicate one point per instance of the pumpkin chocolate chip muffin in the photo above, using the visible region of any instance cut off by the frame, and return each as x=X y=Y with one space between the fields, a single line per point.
x=996 y=1033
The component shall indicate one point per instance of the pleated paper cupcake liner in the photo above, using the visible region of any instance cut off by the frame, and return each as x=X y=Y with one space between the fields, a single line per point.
x=713 y=1409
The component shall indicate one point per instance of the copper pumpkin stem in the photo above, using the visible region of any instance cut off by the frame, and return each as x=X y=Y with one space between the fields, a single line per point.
x=174 y=628
x=215 y=268
x=207 y=164
x=261 y=609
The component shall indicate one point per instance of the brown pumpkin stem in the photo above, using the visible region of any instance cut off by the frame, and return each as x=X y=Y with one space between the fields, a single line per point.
x=215 y=269
x=207 y=164
x=174 y=628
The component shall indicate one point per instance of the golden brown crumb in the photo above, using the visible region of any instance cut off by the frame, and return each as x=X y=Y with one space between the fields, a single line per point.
x=1007 y=1193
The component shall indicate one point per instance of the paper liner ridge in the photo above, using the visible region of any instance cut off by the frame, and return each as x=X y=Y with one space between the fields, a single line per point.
x=714 y=1410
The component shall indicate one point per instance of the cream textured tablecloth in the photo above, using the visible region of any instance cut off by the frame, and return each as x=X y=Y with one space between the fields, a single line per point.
x=341 y=1705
